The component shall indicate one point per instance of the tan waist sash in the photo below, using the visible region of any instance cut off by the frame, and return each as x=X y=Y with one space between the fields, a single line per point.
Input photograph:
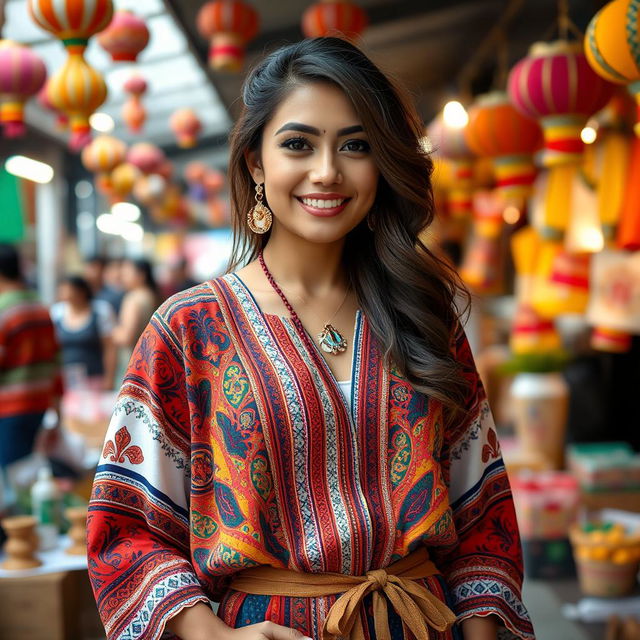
x=418 y=608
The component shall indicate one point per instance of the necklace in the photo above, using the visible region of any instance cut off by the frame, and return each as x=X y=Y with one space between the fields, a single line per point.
x=330 y=339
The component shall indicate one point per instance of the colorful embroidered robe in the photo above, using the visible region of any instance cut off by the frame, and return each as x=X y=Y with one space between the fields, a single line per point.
x=231 y=446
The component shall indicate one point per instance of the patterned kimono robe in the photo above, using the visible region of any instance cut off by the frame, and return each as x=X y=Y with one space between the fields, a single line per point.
x=232 y=446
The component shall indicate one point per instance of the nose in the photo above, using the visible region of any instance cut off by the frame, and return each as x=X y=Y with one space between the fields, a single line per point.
x=326 y=170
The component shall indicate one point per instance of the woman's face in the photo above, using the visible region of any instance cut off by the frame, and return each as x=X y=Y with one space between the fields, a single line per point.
x=319 y=176
x=130 y=276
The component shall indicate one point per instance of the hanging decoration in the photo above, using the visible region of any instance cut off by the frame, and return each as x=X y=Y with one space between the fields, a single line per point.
x=101 y=156
x=125 y=37
x=76 y=89
x=146 y=157
x=133 y=112
x=62 y=120
x=228 y=25
x=337 y=18
x=204 y=187
x=498 y=131
x=628 y=235
x=123 y=178
x=555 y=84
x=186 y=126
x=22 y=75
x=612 y=46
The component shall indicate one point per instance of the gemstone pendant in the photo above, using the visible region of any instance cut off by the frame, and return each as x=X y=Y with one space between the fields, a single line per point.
x=331 y=341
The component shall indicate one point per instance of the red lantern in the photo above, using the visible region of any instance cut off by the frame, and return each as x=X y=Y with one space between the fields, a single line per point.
x=228 y=25
x=334 y=18
x=125 y=37
x=146 y=157
x=556 y=85
x=133 y=112
x=497 y=130
x=22 y=74
x=186 y=125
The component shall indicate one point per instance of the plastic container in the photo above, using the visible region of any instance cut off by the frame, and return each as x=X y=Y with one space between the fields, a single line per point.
x=45 y=504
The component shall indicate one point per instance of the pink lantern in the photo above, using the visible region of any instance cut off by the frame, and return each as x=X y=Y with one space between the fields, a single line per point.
x=22 y=74
x=555 y=85
x=133 y=112
x=186 y=125
x=146 y=157
x=125 y=37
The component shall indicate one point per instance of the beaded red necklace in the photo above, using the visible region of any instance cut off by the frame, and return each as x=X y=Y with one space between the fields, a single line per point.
x=330 y=340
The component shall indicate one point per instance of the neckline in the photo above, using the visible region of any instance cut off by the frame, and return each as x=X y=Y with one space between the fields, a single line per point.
x=288 y=320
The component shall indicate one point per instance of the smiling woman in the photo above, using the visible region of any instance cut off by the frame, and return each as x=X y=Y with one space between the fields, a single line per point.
x=338 y=486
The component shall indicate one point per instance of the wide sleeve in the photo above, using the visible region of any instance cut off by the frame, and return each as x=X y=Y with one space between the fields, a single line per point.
x=484 y=568
x=138 y=522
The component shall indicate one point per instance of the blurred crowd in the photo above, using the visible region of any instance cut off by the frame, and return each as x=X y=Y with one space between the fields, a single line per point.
x=83 y=342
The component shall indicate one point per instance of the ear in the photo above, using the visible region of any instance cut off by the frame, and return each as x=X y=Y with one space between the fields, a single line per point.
x=252 y=158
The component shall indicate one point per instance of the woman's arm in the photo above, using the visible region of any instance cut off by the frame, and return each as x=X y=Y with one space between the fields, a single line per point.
x=125 y=332
x=477 y=628
x=109 y=359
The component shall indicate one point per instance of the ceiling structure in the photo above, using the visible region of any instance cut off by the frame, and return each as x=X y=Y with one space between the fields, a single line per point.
x=437 y=48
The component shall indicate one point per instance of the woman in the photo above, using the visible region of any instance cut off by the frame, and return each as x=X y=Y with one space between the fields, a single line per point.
x=248 y=462
x=83 y=328
x=138 y=305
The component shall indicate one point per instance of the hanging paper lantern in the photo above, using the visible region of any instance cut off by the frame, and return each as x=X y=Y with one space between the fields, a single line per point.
x=78 y=90
x=628 y=236
x=165 y=169
x=555 y=85
x=103 y=154
x=125 y=37
x=145 y=156
x=186 y=125
x=62 y=120
x=497 y=130
x=610 y=340
x=228 y=25
x=133 y=112
x=337 y=18
x=72 y=21
x=123 y=178
x=149 y=190
x=22 y=74
x=533 y=334
x=612 y=45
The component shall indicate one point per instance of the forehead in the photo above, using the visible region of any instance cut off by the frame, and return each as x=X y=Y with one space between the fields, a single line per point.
x=319 y=104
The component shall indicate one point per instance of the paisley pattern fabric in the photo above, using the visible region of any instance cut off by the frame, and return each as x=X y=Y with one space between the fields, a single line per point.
x=232 y=446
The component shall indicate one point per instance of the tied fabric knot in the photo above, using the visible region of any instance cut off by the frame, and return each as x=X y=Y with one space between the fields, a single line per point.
x=418 y=608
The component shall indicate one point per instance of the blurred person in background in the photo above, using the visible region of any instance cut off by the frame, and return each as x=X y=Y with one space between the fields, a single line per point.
x=140 y=301
x=30 y=377
x=178 y=278
x=83 y=328
x=103 y=276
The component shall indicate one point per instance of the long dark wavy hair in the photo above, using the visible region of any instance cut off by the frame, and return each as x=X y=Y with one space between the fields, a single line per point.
x=407 y=293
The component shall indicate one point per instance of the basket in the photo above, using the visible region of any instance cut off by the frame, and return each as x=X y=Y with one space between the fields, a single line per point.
x=607 y=566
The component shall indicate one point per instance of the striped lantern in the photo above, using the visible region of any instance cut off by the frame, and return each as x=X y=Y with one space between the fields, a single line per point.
x=555 y=85
x=612 y=45
x=77 y=90
x=186 y=126
x=123 y=177
x=72 y=21
x=62 y=120
x=450 y=142
x=498 y=131
x=533 y=334
x=336 y=18
x=125 y=37
x=228 y=25
x=101 y=156
x=22 y=74
x=146 y=157
x=133 y=112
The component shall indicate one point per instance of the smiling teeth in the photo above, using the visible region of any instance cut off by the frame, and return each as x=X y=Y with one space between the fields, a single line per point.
x=323 y=204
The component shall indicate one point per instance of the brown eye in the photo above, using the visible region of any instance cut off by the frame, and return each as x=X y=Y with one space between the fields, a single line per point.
x=295 y=144
x=357 y=146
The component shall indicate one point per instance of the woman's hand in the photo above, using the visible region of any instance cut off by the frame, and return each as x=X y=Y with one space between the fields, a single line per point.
x=198 y=622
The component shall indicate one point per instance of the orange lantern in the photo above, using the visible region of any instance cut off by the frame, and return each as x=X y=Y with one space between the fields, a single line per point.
x=123 y=178
x=334 y=18
x=76 y=89
x=133 y=112
x=125 y=37
x=186 y=125
x=101 y=156
x=62 y=120
x=228 y=25
x=22 y=74
x=497 y=130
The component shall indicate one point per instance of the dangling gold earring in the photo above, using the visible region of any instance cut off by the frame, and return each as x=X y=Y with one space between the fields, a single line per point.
x=259 y=217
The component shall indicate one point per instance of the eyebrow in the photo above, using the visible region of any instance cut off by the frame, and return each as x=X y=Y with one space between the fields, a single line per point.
x=305 y=128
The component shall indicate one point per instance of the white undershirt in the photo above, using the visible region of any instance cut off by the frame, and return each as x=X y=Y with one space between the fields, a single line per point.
x=345 y=387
